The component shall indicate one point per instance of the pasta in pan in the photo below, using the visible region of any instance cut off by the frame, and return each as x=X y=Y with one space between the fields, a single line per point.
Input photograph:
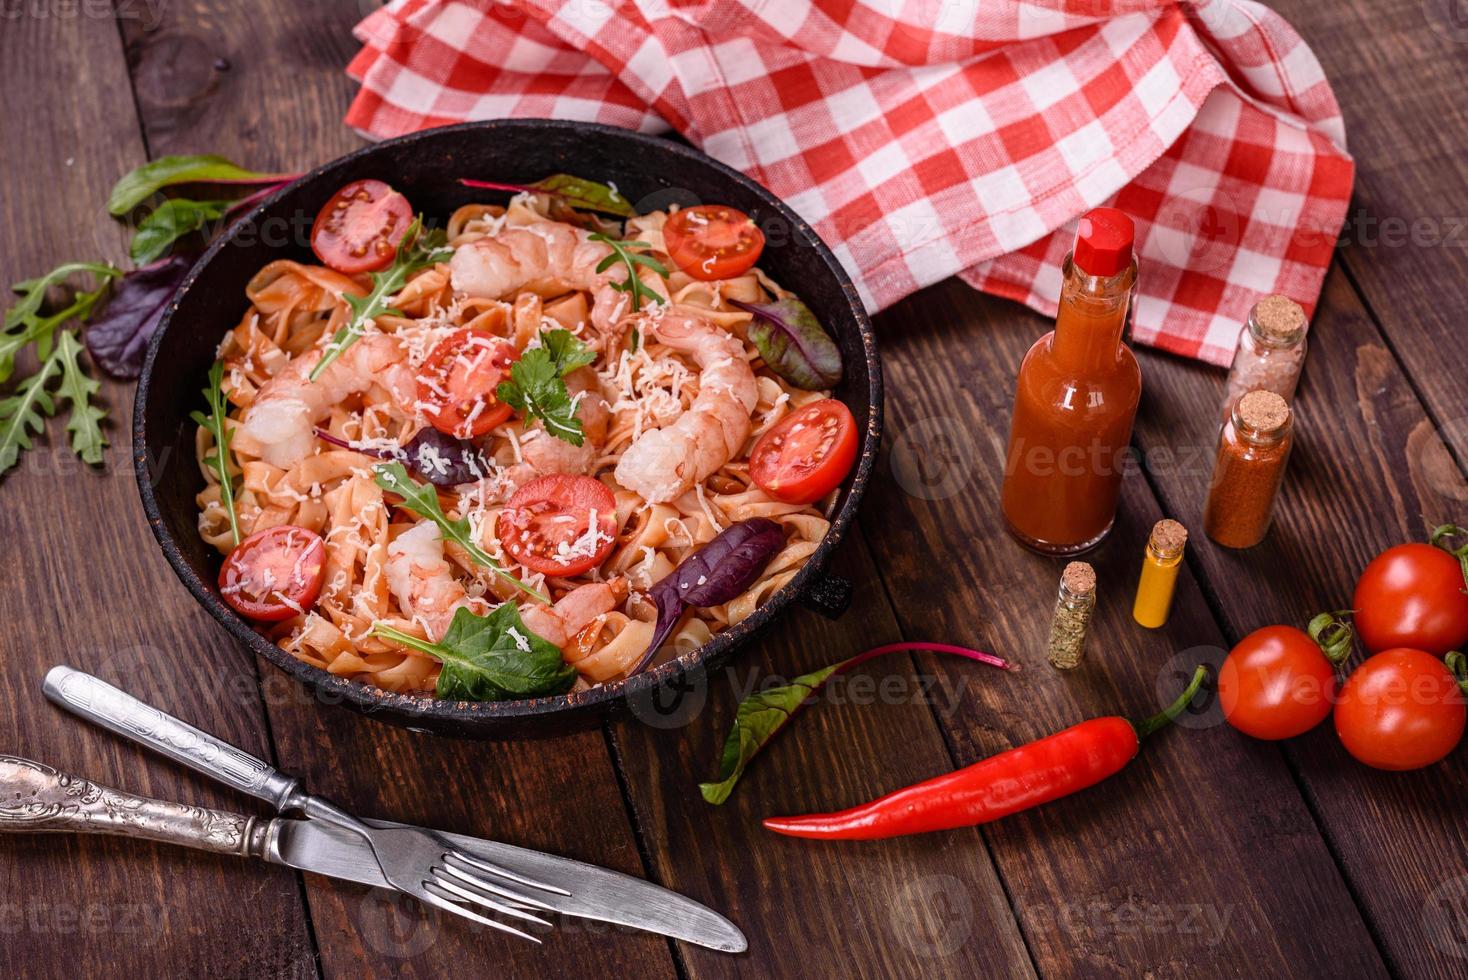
x=669 y=409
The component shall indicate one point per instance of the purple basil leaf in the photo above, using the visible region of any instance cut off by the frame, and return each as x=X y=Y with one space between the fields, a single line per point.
x=721 y=570
x=714 y=574
x=670 y=607
x=440 y=459
x=118 y=336
x=793 y=343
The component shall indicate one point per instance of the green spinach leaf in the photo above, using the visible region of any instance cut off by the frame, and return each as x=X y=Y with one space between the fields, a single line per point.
x=491 y=658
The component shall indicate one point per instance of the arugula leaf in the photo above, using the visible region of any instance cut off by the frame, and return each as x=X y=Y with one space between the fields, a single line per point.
x=84 y=420
x=417 y=250
x=171 y=221
x=219 y=459
x=491 y=658
x=537 y=386
x=422 y=499
x=756 y=721
x=134 y=187
x=573 y=191
x=24 y=324
x=632 y=285
x=26 y=411
x=793 y=343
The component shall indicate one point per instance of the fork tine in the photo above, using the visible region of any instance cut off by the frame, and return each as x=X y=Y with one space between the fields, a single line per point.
x=469 y=893
x=432 y=897
x=450 y=867
x=482 y=865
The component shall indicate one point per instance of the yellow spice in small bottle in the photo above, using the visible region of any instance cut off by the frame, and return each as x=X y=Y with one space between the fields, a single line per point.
x=1159 y=573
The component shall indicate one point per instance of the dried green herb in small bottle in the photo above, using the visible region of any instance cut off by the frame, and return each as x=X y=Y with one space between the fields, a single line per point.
x=1073 y=608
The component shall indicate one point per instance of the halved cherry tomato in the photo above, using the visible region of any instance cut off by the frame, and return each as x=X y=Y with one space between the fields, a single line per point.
x=560 y=524
x=711 y=241
x=359 y=229
x=274 y=574
x=1277 y=683
x=457 y=382
x=1413 y=596
x=807 y=454
x=1401 y=709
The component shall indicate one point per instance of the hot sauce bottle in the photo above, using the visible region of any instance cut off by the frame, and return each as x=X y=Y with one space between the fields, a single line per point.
x=1076 y=399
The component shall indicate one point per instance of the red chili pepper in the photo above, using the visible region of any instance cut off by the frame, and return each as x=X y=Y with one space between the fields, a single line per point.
x=1044 y=770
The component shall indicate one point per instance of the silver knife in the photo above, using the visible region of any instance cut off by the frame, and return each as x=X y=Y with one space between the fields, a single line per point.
x=35 y=798
x=596 y=893
x=313 y=845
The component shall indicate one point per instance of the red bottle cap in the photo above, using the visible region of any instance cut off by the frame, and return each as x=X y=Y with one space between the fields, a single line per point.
x=1104 y=242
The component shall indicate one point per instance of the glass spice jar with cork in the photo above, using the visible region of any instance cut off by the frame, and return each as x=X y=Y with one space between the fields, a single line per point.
x=1074 y=605
x=1159 y=573
x=1270 y=354
x=1252 y=452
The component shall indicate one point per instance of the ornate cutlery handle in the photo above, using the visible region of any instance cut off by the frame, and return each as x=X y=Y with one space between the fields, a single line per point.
x=35 y=799
x=97 y=701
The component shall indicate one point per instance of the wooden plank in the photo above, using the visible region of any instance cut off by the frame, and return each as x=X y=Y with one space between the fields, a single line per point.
x=278 y=105
x=1397 y=68
x=83 y=583
x=1202 y=858
x=1367 y=469
x=928 y=906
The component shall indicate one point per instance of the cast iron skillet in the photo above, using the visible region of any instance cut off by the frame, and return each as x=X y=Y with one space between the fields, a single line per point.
x=425 y=166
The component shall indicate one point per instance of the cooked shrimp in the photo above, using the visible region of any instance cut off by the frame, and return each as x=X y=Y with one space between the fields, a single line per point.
x=574 y=611
x=278 y=424
x=423 y=581
x=663 y=464
x=546 y=257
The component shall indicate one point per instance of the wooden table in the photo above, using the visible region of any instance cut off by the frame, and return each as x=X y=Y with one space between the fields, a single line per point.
x=1213 y=855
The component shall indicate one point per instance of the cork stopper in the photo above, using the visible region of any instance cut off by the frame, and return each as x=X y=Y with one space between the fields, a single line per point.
x=1263 y=411
x=1079 y=578
x=1168 y=537
x=1278 y=321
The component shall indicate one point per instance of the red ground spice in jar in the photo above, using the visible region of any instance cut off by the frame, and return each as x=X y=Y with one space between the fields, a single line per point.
x=1252 y=451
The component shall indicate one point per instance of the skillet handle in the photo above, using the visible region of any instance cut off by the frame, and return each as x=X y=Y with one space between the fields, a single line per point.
x=829 y=595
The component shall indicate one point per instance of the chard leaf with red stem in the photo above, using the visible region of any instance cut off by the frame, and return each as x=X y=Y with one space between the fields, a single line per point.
x=762 y=715
x=137 y=185
x=573 y=191
x=793 y=343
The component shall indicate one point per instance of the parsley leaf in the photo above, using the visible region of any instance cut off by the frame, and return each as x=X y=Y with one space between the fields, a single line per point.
x=491 y=658
x=84 y=420
x=632 y=285
x=418 y=249
x=537 y=386
x=422 y=499
x=218 y=460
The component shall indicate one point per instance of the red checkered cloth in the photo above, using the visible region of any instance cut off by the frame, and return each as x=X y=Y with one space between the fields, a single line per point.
x=929 y=138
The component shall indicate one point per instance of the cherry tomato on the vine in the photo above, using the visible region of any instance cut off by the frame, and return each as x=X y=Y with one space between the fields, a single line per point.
x=1401 y=709
x=1278 y=682
x=1413 y=596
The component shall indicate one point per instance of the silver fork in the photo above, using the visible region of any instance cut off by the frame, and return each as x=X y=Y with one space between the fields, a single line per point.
x=415 y=861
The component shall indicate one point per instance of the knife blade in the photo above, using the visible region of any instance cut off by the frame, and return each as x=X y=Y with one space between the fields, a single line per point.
x=596 y=893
